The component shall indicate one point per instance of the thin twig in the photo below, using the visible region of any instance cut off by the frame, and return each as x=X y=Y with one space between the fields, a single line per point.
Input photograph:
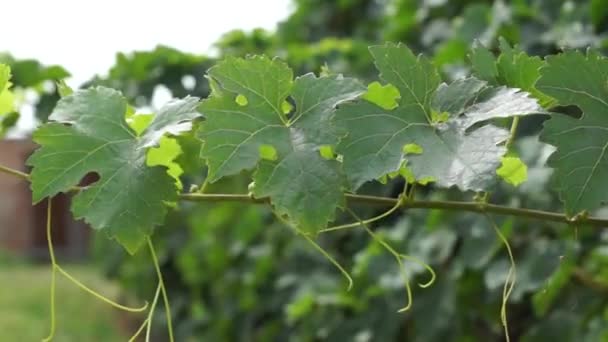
x=388 y=202
x=163 y=289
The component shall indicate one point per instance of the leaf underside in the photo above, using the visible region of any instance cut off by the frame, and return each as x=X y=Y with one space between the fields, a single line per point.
x=443 y=120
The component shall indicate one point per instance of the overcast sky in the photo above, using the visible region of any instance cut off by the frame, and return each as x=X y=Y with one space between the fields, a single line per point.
x=84 y=35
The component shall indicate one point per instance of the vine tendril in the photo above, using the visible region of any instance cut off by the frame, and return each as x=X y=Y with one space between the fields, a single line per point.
x=509 y=281
x=163 y=290
x=55 y=267
x=53 y=270
x=368 y=221
x=398 y=258
x=98 y=295
x=151 y=313
x=323 y=252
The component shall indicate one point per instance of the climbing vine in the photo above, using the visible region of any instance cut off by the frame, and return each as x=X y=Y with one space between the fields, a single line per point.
x=312 y=141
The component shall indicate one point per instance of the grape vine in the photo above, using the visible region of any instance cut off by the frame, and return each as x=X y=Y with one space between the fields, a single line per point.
x=312 y=141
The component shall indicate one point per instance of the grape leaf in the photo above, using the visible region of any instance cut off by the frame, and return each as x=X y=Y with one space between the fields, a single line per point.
x=164 y=155
x=512 y=68
x=247 y=126
x=89 y=134
x=580 y=161
x=453 y=151
x=513 y=170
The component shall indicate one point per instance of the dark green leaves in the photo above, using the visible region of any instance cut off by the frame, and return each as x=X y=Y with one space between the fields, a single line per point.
x=249 y=124
x=443 y=120
x=512 y=68
x=90 y=134
x=581 y=159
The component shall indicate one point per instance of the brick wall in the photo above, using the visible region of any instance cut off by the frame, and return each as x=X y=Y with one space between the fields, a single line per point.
x=22 y=225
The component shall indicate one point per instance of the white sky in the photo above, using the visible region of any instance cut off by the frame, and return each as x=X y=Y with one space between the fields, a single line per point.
x=84 y=35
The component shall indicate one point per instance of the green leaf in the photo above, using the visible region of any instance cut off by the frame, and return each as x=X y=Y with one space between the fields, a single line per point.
x=242 y=100
x=327 y=152
x=89 y=134
x=543 y=299
x=483 y=63
x=455 y=97
x=412 y=149
x=454 y=152
x=63 y=88
x=8 y=121
x=5 y=76
x=581 y=159
x=139 y=122
x=450 y=52
x=164 y=155
x=300 y=182
x=384 y=96
x=499 y=102
x=7 y=98
x=268 y=152
x=513 y=170
x=513 y=68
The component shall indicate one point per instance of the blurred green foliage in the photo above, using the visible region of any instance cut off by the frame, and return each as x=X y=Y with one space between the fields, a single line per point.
x=235 y=274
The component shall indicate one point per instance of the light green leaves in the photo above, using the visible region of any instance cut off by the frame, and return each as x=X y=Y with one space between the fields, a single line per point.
x=442 y=120
x=8 y=117
x=5 y=76
x=89 y=134
x=384 y=96
x=513 y=170
x=287 y=147
x=581 y=159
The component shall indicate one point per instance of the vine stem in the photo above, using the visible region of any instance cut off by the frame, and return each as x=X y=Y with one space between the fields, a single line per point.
x=151 y=313
x=388 y=201
x=420 y=204
x=143 y=325
x=512 y=133
x=14 y=172
x=163 y=290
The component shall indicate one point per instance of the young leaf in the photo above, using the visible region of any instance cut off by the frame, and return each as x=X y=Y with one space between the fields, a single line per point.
x=581 y=159
x=7 y=98
x=164 y=155
x=384 y=96
x=513 y=170
x=454 y=152
x=88 y=133
x=300 y=182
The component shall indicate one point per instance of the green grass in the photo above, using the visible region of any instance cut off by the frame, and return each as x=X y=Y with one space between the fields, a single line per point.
x=24 y=306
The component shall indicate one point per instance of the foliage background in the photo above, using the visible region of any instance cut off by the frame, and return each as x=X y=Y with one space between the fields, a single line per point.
x=235 y=274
